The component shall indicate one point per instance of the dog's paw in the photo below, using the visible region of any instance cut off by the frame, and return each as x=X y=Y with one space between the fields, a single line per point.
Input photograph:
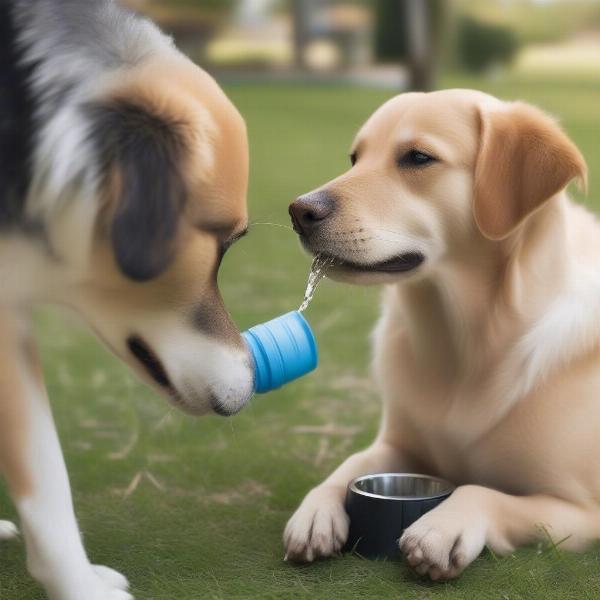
x=8 y=530
x=318 y=529
x=111 y=594
x=96 y=583
x=442 y=543
x=109 y=585
x=112 y=578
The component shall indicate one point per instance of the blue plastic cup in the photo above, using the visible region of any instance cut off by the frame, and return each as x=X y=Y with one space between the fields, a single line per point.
x=283 y=349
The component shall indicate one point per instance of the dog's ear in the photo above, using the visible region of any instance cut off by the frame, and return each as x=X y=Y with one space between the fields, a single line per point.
x=140 y=155
x=524 y=159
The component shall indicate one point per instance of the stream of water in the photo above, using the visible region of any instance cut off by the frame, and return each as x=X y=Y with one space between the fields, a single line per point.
x=318 y=271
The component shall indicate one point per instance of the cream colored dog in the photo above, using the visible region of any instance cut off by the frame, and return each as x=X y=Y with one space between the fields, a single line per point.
x=488 y=349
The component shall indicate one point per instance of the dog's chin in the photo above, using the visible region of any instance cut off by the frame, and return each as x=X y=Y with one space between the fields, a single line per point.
x=390 y=270
x=174 y=396
x=198 y=404
x=194 y=399
x=188 y=406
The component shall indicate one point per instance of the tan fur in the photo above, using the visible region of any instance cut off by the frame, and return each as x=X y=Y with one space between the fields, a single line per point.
x=14 y=429
x=524 y=160
x=216 y=173
x=482 y=381
x=217 y=166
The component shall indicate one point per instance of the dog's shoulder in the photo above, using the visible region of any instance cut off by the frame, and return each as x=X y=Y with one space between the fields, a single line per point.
x=569 y=328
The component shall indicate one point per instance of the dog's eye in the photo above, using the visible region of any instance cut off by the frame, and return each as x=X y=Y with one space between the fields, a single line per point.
x=353 y=158
x=415 y=158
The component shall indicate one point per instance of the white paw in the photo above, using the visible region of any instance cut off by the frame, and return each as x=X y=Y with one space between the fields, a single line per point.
x=117 y=595
x=108 y=585
x=111 y=577
x=442 y=543
x=8 y=530
x=97 y=583
x=101 y=592
x=318 y=529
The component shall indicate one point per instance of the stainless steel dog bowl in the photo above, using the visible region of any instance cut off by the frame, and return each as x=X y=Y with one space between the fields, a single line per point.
x=382 y=506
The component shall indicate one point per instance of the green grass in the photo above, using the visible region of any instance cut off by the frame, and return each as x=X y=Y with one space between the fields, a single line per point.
x=212 y=526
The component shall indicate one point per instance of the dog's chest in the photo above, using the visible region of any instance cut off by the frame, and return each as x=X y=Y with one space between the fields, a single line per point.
x=519 y=454
x=499 y=458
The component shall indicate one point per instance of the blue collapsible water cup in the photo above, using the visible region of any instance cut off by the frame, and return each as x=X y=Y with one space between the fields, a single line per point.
x=283 y=349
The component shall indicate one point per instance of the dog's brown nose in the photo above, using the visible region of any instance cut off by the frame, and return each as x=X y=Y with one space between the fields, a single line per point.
x=310 y=210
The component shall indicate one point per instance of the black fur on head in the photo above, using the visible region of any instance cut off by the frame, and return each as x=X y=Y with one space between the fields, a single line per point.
x=145 y=149
x=17 y=109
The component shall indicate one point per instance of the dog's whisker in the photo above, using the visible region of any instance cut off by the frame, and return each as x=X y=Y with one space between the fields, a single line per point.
x=273 y=225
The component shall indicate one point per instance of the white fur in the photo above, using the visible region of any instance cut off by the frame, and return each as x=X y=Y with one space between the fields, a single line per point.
x=8 y=530
x=569 y=328
x=199 y=365
x=56 y=557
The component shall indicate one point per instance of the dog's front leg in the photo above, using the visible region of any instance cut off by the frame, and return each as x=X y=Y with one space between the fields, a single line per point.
x=319 y=528
x=32 y=463
x=447 y=539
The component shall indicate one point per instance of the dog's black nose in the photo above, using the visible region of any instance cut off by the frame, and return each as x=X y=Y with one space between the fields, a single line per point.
x=310 y=210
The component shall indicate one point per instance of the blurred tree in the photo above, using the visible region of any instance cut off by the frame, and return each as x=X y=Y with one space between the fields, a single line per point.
x=204 y=5
x=535 y=21
x=481 y=46
x=390 y=45
x=301 y=18
x=341 y=22
x=183 y=7
x=192 y=22
x=412 y=32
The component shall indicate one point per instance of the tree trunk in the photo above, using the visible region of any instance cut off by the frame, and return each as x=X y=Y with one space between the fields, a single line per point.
x=301 y=13
x=421 y=55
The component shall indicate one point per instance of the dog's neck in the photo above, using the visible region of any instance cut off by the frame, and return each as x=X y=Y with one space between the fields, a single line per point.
x=471 y=309
x=49 y=263
x=487 y=330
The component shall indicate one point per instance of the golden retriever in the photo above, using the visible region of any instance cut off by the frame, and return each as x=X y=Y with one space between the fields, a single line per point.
x=487 y=353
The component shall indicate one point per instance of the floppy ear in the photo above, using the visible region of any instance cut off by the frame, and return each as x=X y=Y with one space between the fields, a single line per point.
x=141 y=151
x=524 y=159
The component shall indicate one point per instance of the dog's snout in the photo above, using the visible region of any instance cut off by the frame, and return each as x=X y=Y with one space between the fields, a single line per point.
x=309 y=211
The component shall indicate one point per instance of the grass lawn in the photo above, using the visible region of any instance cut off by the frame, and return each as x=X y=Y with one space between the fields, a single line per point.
x=213 y=495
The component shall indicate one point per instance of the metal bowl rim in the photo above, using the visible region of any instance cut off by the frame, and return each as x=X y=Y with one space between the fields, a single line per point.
x=449 y=487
